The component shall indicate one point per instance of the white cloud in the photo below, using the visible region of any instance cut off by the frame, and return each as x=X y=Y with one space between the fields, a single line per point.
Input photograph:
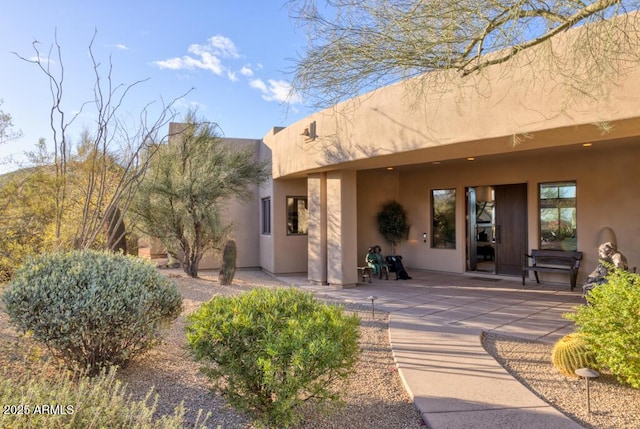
x=259 y=84
x=122 y=47
x=206 y=57
x=43 y=60
x=223 y=46
x=275 y=90
x=246 y=71
x=189 y=105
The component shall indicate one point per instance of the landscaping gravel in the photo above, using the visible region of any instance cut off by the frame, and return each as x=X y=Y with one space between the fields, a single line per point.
x=374 y=394
x=612 y=404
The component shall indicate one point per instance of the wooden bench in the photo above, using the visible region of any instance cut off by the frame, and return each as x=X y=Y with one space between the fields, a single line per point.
x=552 y=261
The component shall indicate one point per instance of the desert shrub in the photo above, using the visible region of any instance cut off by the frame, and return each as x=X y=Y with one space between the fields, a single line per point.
x=572 y=352
x=35 y=401
x=91 y=309
x=611 y=324
x=268 y=351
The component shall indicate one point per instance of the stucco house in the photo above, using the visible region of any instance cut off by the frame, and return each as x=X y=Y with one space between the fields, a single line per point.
x=487 y=168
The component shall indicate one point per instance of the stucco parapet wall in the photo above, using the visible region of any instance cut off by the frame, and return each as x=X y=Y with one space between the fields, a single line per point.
x=521 y=101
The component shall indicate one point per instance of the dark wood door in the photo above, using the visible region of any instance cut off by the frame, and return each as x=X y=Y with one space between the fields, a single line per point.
x=511 y=227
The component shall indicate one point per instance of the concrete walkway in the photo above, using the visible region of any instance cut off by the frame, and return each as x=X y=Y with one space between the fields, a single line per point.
x=435 y=332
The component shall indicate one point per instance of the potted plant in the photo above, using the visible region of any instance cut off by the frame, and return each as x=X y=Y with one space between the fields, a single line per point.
x=392 y=223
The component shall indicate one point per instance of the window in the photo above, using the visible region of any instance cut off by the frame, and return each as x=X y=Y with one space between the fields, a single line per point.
x=266 y=215
x=297 y=216
x=558 y=225
x=443 y=215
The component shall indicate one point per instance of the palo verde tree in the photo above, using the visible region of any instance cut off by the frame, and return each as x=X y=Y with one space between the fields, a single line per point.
x=95 y=184
x=359 y=45
x=182 y=198
x=7 y=130
x=25 y=213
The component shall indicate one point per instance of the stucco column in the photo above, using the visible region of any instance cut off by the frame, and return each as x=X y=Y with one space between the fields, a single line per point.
x=317 y=231
x=342 y=228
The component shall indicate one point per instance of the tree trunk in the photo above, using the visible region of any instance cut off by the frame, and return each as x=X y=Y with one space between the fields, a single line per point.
x=192 y=267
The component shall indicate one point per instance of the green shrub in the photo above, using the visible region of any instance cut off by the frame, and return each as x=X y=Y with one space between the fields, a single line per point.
x=392 y=223
x=268 y=351
x=35 y=401
x=611 y=324
x=572 y=352
x=91 y=309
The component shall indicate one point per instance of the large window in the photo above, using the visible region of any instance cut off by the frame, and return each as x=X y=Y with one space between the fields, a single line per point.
x=443 y=215
x=266 y=215
x=558 y=225
x=297 y=216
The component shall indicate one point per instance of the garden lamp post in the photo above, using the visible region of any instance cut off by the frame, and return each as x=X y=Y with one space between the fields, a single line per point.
x=373 y=309
x=587 y=374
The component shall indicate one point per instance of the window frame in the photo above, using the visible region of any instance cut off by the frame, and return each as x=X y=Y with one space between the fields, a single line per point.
x=437 y=240
x=290 y=223
x=265 y=205
x=567 y=242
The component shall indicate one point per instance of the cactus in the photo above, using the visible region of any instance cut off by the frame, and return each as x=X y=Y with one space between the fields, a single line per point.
x=228 y=268
x=570 y=353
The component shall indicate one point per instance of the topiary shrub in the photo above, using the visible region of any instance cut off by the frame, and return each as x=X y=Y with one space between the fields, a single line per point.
x=269 y=351
x=611 y=324
x=572 y=352
x=91 y=309
x=228 y=268
x=392 y=223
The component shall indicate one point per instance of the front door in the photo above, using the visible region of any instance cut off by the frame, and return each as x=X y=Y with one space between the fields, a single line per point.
x=510 y=227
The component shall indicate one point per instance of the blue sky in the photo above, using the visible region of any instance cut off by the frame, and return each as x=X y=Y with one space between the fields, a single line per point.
x=236 y=54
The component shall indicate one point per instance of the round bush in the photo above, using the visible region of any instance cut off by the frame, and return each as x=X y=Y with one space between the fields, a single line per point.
x=611 y=324
x=92 y=309
x=268 y=351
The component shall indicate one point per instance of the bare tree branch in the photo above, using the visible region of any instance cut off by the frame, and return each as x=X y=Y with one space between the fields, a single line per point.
x=356 y=46
x=101 y=180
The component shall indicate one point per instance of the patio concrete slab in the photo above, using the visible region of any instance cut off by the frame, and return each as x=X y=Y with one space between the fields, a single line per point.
x=436 y=324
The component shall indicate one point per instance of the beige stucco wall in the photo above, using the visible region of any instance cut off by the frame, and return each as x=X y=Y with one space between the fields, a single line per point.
x=454 y=117
x=282 y=253
x=606 y=177
x=242 y=215
x=375 y=187
x=522 y=125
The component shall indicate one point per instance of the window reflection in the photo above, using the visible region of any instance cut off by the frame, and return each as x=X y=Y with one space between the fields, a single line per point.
x=443 y=215
x=297 y=216
x=558 y=216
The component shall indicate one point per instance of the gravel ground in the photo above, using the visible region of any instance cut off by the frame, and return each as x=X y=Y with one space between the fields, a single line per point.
x=612 y=405
x=373 y=394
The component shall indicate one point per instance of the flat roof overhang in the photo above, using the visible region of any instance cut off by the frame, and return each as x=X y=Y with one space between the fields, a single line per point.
x=560 y=141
